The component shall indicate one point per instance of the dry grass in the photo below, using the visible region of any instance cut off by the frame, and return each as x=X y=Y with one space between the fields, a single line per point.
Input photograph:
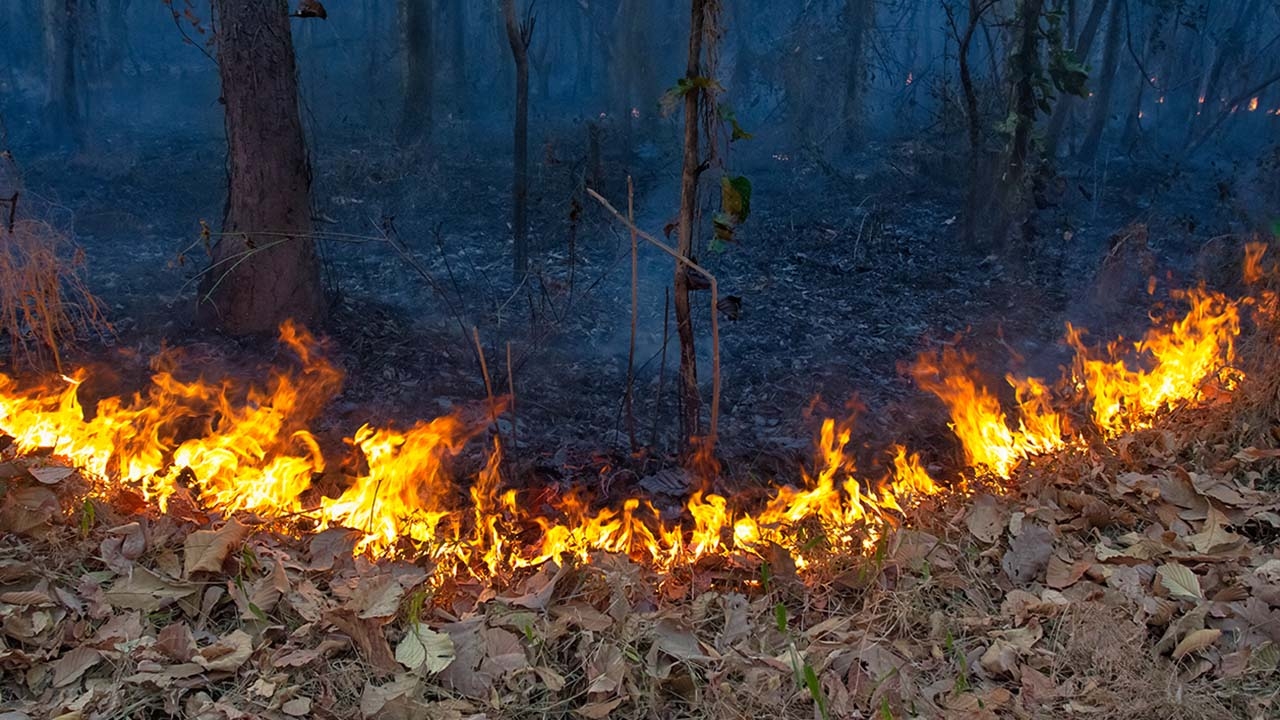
x=45 y=305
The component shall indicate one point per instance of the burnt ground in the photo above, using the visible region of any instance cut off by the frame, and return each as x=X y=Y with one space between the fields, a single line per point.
x=845 y=269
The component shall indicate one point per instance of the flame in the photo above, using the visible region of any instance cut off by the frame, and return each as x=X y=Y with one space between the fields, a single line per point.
x=243 y=447
x=1128 y=384
x=990 y=443
x=1253 y=105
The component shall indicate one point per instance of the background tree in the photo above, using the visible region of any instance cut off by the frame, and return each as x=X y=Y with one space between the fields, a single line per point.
x=519 y=36
x=419 y=70
x=265 y=268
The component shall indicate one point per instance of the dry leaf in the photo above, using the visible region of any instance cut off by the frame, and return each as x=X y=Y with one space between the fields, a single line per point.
x=1180 y=581
x=146 y=591
x=984 y=521
x=51 y=475
x=376 y=697
x=599 y=710
x=1196 y=641
x=206 y=550
x=297 y=707
x=226 y=655
x=73 y=664
x=425 y=649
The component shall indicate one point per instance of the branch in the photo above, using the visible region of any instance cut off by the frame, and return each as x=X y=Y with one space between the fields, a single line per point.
x=715 y=294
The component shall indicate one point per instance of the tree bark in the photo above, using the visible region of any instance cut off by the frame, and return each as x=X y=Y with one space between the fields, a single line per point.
x=419 y=71
x=265 y=269
x=517 y=36
x=690 y=400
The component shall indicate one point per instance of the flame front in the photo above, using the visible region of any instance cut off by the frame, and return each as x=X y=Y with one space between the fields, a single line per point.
x=238 y=448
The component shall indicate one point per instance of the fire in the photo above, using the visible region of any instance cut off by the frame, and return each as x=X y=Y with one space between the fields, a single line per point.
x=990 y=443
x=238 y=447
x=1128 y=384
x=1253 y=105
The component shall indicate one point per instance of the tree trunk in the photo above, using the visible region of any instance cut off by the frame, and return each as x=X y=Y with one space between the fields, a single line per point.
x=1026 y=64
x=858 y=16
x=974 y=124
x=265 y=269
x=419 y=72
x=1084 y=45
x=518 y=38
x=690 y=400
x=1106 y=85
x=61 y=51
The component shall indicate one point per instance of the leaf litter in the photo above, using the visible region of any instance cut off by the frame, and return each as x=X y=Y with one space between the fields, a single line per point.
x=1150 y=590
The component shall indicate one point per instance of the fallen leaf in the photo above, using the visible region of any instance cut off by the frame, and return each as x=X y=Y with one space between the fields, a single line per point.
x=297 y=707
x=1028 y=554
x=1180 y=581
x=227 y=654
x=599 y=710
x=1196 y=641
x=206 y=550
x=426 y=649
x=51 y=475
x=375 y=698
x=984 y=521
x=73 y=664
x=146 y=591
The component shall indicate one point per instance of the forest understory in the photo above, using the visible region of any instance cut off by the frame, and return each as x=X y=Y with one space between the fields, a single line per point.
x=1131 y=574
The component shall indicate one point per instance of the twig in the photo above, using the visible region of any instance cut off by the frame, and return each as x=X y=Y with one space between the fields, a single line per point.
x=635 y=313
x=511 y=390
x=662 y=365
x=715 y=298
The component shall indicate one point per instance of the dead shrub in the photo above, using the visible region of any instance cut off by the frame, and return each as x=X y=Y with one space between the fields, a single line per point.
x=46 y=307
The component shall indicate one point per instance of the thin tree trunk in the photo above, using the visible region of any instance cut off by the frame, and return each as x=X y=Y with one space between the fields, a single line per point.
x=1026 y=60
x=419 y=71
x=974 y=122
x=518 y=38
x=1106 y=85
x=265 y=269
x=690 y=400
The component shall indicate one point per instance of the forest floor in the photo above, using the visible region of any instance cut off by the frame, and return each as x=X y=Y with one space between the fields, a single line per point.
x=1134 y=578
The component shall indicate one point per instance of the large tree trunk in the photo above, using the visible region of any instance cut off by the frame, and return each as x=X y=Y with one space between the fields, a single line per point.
x=1106 y=85
x=265 y=269
x=519 y=41
x=415 y=114
x=690 y=400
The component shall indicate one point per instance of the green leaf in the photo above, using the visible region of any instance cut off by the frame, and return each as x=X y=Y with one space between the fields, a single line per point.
x=815 y=690
x=780 y=616
x=738 y=133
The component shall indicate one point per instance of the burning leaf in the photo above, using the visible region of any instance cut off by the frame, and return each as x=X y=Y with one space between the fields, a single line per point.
x=1180 y=581
x=425 y=649
x=206 y=550
x=1196 y=641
